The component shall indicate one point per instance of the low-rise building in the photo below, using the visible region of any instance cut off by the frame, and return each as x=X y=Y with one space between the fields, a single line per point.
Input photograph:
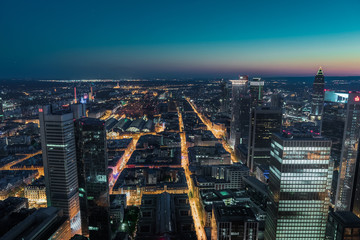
x=165 y=215
x=36 y=191
x=45 y=223
x=234 y=223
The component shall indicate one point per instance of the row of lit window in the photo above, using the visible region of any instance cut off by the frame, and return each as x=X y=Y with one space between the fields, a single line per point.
x=302 y=190
x=304 y=217
x=305 y=182
x=313 y=229
x=315 y=172
x=309 y=205
x=303 y=178
x=301 y=201
x=305 y=161
x=302 y=186
x=307 y=148
x=293 y=209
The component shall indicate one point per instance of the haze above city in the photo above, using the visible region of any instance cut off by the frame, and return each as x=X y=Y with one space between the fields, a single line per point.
x=116 y=39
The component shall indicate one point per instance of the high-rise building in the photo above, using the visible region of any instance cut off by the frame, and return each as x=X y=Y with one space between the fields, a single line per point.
x=355 y=202
x=225 y=96
x=256 y=92
x=240 y=112
x=334 y=115
x=92 y=167
x=299 y=185
x=276 y=100
x=317 y=104
x=349 y=165
x=2 y=116
x=265 y=121
x=343 y=225
x=59 y=159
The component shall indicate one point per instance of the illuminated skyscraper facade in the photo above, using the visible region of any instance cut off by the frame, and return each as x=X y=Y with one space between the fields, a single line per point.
x=240 y=112
x=59 y=159
x=92 y=166
x=349 y=165
x=317 y=104
x=299 y=185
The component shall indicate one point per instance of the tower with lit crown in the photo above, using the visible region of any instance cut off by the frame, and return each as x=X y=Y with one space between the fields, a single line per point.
x=317 y=104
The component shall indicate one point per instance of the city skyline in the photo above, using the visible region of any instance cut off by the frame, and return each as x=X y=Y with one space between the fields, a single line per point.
x=124 y=39
x=196 y=120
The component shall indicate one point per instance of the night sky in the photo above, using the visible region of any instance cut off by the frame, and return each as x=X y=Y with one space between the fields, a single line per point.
x=55 y=39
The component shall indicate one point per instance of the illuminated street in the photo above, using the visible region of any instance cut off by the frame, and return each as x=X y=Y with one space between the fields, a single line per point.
x=200 y=232
x=127 y=154
x=27 y=156
x=217 y=133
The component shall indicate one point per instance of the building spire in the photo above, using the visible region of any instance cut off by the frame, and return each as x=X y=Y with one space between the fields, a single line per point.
x=320 y=71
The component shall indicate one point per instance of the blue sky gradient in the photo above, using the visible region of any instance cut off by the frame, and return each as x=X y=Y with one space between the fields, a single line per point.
x=114 y=39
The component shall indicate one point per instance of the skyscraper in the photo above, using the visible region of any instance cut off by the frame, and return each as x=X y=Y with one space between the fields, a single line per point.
x=59 y=159
x=265 y=122
x=92 y=166
x=225 y=96
x=256 y=92
x=2 y=117
x=349 y=165
x=334 y=115
x=240 y=118
x=317 y=104
x=299 y=185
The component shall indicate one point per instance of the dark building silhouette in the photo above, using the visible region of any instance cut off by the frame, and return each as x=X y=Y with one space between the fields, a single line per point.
x=44 y=223
x=234 y=222
x=92 y=166
x=276 y=100
x=334 y=115
x=2 y=116
x=225 y=96
x=264 y=122
x=343 y=225
x=349 y=165
x=240 y=112
x=165 y=216
x=256 y=92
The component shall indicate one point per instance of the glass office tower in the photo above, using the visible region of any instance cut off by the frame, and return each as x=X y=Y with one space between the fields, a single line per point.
x=92 y=166
x=240 y=112
x=264 y=122
x=299 y=186
x=349 y=165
